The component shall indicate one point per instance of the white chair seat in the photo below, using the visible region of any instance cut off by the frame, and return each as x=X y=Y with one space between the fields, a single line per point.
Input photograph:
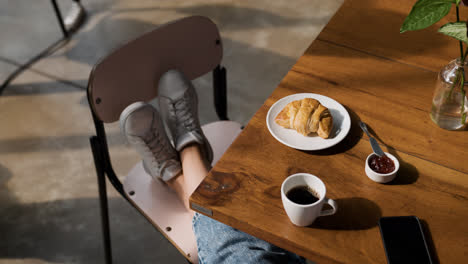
x=160 y=204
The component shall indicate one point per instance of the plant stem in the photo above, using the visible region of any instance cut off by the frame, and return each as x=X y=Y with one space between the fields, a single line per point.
x=464 y=56
x=462 y=73
x=460 y=42
x=462 y=90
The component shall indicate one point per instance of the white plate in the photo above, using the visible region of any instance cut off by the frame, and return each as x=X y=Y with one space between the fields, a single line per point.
x=291 y=138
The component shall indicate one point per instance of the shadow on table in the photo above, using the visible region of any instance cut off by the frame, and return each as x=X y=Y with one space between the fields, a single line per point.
x=429 y=242
x=407 y=174
x=353 y=137
x=354 y=213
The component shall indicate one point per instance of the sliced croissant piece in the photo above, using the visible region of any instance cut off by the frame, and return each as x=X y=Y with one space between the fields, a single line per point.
x=295 y=106
x=284 y=117
x=325 y=124
x=302 y=120
x=306 y=116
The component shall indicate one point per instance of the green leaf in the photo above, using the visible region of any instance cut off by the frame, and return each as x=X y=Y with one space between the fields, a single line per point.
x=425 y=13
x=457 y=2
x=455 y=30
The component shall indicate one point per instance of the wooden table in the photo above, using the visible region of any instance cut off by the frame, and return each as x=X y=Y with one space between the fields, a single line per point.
x=385 y=79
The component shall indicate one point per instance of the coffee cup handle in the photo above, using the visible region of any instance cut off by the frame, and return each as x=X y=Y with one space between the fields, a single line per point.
x=334 y=206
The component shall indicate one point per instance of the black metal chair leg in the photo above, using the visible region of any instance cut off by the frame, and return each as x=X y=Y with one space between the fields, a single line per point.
x=59 y=18
x=220 y=92
x=102 y=197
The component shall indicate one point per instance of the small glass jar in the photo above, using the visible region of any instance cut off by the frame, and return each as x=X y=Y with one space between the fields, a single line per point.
x=449 y=103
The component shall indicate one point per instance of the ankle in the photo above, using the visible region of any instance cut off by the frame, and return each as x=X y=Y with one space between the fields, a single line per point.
x=192 y=148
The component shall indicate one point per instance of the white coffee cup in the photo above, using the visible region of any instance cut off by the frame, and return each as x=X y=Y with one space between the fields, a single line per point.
x=305 y=214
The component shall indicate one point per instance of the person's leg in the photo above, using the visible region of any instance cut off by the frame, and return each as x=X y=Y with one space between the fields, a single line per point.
x=194 y=168
x=178 y=104
x=217 y=242
x=144 y=129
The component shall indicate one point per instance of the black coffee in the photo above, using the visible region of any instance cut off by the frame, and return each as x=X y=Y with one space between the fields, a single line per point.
x=302 y=195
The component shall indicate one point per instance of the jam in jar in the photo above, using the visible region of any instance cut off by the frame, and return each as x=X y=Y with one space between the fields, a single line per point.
x=382 y=164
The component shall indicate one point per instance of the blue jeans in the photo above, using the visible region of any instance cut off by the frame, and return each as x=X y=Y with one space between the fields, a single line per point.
x=218 y=243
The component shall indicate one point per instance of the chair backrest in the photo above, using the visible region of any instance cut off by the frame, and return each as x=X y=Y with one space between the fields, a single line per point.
x=131 y=72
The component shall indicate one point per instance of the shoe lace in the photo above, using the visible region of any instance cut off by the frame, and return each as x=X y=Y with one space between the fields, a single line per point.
x=183 y=112
x=155 y=145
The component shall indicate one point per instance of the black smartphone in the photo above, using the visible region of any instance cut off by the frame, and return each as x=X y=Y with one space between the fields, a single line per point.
x=404 y=240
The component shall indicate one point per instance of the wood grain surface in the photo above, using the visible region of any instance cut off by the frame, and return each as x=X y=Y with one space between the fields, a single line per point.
x=394 y=99
x=391 y=91
x=374 y=27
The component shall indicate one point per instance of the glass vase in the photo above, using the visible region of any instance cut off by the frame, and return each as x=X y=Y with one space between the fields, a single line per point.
x=449 y=103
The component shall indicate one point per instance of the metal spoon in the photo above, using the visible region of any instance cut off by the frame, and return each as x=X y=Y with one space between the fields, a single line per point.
x=375 y=146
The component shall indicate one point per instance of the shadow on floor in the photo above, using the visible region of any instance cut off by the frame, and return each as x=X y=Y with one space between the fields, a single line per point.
x=248 y=68
x=69 y=231
x=245 y=17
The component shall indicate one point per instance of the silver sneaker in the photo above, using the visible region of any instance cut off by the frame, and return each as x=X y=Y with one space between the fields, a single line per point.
x=142 y=126
x=179 y=109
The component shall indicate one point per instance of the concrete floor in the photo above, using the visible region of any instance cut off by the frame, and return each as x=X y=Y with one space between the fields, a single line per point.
x=48 y=192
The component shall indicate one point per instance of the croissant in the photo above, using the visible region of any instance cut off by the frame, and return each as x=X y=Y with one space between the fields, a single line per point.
x=306 y=116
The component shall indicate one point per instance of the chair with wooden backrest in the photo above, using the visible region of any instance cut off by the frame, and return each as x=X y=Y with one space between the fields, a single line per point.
x=131 y=73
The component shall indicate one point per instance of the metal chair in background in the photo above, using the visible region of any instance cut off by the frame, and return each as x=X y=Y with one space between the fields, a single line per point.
x=73 y=19
x=131 y=73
